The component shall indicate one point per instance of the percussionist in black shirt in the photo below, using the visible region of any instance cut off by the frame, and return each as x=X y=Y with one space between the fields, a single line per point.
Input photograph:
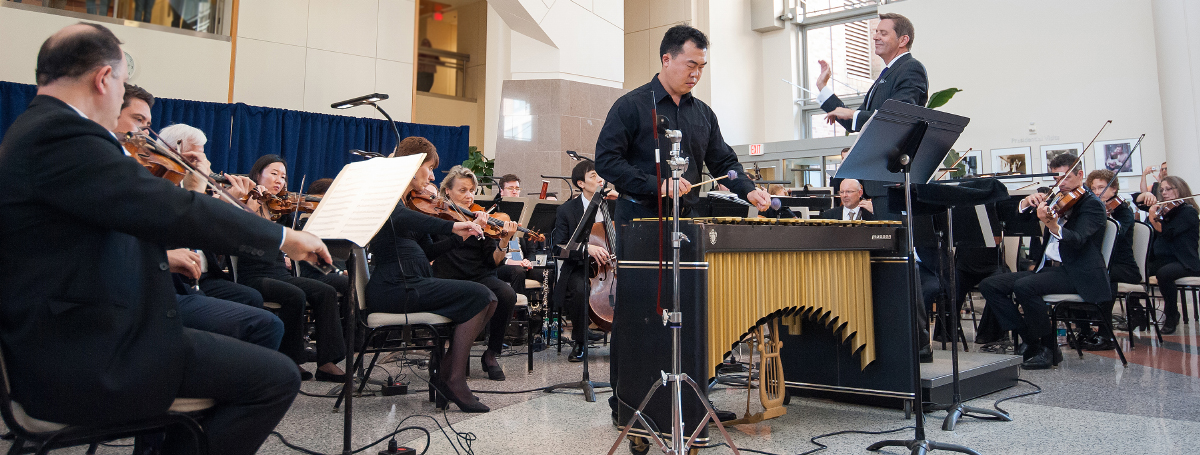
x=625 y=148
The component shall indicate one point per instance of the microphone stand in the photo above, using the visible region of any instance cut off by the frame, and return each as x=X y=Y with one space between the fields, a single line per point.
x=674 y=321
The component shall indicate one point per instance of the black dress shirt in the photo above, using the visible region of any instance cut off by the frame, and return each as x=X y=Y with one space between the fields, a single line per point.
x=625 y=148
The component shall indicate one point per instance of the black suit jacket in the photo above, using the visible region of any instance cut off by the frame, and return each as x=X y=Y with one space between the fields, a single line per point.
x=89 y=322
x=1080 y=248
x=904 y=81
x=836 y=214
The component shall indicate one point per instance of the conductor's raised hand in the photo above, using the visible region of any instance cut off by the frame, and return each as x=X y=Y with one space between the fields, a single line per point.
x=826 y=74
x=303 y=246
x=683 y=187
x=761 y=199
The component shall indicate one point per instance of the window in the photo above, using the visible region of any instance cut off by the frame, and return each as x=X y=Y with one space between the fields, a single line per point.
x=518 y=120
x=845 y=41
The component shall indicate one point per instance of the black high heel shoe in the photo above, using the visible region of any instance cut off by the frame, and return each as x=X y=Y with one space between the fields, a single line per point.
x=442 y=397
x=495 y=373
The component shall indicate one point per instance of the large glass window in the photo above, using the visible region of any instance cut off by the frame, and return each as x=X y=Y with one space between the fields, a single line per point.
x=838 y=32
x=205 y=16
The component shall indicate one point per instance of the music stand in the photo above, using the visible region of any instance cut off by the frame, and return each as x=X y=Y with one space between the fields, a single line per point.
x=577 y=250
x=903 y=143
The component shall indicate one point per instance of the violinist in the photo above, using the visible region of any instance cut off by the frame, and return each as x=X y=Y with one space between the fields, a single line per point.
x=208 y=303
x=571 y=295
x=1122 y=267
x=1070 y=263
x=272 y=276
x=1173 y=255
x=403 y=282
x=91 y=327
x=518 y=264
x=477 y=259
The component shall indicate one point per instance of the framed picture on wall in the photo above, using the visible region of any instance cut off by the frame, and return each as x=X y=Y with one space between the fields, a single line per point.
x=1015 y=160
x=1110 y=155
x=1051 y=151
x=973 y=162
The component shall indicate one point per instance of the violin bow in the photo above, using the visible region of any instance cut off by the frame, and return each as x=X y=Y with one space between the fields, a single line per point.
x=299 y=200
x=1122 y=166
x=1079 y=159
x=955 y=165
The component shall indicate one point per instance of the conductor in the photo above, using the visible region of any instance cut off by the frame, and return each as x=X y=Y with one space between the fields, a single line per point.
x=903 y=79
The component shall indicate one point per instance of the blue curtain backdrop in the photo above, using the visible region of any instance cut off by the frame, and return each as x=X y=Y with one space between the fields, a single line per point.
x=314 y=145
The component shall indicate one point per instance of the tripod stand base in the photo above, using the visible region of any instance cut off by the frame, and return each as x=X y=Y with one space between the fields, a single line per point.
x=956 y=412
x=588 y=388
x=921 y=446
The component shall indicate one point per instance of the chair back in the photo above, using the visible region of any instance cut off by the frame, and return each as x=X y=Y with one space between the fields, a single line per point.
x=362 y=275
x=1110 y=239
x=1012 y=246
x=1141 y=246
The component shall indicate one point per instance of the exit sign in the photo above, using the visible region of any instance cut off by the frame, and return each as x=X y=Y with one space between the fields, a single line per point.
x=756 y=149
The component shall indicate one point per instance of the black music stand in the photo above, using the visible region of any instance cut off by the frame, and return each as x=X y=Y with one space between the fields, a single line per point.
x=903 y=143
x=576 y=250
x=958 y=203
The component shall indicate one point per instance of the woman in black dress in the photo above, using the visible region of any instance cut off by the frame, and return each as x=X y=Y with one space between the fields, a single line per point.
x=1174 y=252
x=403 y=281
x=477 y=259
x=271 y=276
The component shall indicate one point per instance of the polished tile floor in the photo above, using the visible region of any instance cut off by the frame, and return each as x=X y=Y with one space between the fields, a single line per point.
x=1088 y=405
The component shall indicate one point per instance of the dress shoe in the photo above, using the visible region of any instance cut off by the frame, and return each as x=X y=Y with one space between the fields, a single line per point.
x=495 y=372
x=442 y=397
x=595 y=335
x=329 y=377
x=474 y=406
x=1169 y=325
x=1098 y=343
x=1021 y=350
x=576 y=354
x=304 y=374
x=310 y=354
x=926 y=354
x=1044 y=359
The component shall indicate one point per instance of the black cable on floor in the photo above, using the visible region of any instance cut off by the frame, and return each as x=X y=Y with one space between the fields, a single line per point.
x=360 y=449
x=997 y=403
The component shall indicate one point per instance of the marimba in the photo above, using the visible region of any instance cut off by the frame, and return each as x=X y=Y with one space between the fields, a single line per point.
x=746 y=276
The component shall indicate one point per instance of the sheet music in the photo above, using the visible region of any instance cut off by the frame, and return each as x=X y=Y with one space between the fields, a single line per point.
x=362 y=198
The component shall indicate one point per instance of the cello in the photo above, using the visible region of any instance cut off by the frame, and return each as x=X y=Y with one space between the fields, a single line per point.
x=602 y=277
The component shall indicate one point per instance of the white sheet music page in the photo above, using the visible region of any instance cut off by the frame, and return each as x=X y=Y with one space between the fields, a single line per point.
x=362 y=198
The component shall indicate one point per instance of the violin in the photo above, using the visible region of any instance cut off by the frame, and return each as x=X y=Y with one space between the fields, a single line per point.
x=164 y=162
x=496 y=225
x=284 y=202
x=161 y=163
x=1062 y=201
x=1113 y=203
x=430 y=204
x=1167 y=206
